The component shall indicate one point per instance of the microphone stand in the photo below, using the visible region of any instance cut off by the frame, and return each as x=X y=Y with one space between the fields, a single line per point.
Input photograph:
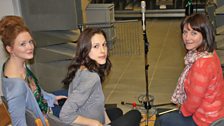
x=146 y=103
x=148 y=98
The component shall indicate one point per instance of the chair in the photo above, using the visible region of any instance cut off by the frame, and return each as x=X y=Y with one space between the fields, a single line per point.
x=55 y=121
x=31 y=119
x=51 y=120
x=219 y=122
x=4 y=114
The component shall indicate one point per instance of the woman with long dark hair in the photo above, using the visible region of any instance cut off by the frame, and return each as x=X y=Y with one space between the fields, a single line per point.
x=90 y=66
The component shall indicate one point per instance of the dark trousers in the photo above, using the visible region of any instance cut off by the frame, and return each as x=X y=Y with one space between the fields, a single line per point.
x=131 y=118
x=174 y=118
x=57 y=108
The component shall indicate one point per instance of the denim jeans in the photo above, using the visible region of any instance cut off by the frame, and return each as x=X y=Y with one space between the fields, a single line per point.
x=57 y=108
x=174 y=118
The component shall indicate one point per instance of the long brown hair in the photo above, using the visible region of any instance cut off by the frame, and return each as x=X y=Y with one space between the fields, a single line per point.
x=82 y=58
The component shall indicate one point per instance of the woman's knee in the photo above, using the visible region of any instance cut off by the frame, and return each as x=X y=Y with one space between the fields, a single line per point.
x=114 y=113
x=134 y=113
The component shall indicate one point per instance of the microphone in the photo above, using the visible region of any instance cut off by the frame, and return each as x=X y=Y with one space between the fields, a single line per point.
x=143 y=5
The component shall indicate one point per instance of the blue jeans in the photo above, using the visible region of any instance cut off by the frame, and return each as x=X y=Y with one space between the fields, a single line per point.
x=174 y=118
x=57 y=108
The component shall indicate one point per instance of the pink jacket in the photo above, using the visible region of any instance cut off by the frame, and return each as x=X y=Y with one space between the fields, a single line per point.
x=204 y=87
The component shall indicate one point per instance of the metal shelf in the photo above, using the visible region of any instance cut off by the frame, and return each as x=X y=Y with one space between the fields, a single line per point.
x=153 y=13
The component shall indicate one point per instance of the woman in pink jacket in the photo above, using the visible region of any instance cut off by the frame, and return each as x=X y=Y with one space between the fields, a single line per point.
x=200 y=89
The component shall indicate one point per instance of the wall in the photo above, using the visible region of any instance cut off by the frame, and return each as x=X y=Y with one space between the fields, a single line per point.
x=9 y=7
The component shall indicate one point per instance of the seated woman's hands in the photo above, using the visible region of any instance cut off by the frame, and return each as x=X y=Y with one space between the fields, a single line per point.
x=96 y=123
x=60 y=98
x=87 y=121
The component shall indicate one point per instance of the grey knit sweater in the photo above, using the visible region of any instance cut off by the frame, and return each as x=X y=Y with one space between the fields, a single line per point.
x=85 y=98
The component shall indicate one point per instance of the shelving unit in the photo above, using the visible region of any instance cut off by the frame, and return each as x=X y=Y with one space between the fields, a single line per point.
x=132 y=8
x=105 y=20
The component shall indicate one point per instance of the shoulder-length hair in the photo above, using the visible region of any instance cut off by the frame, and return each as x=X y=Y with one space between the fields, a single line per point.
x=82 y=58
x=200 y=23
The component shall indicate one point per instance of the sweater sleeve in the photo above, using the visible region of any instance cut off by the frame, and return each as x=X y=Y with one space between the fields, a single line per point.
x=49 y=97
x=196 y=85
x=79 y=96
x=15 y=94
